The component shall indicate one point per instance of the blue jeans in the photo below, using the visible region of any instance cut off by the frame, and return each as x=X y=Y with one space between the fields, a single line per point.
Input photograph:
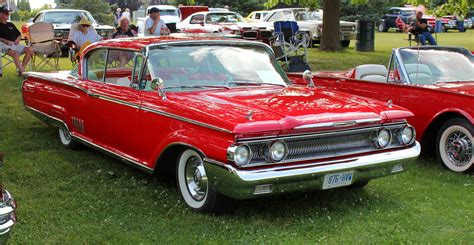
x=426 y=36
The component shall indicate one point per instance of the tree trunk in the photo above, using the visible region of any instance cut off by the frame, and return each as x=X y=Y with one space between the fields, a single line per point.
x=331 y=37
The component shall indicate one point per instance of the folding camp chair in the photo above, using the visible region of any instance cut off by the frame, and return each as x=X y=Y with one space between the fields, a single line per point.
x=289 y=41
x=46 y=48
x=6 y=57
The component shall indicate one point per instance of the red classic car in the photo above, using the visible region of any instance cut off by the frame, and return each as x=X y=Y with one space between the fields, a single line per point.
x=435 y=83
x=229 y=126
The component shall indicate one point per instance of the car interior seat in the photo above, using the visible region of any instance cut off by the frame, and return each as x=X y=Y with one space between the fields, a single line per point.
x=419 y=73
x=371 y=72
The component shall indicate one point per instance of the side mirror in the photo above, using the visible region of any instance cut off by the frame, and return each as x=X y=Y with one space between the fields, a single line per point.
x=308 y=77
x=157 y=85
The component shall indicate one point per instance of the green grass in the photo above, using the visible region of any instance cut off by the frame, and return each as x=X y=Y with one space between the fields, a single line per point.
x=83 y=196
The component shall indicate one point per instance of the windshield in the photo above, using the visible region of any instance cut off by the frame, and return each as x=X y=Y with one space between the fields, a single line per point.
x=184 y=68
x=408 y=12
x=168 y=12
x=66 y=17
x=302 y=15
x=224 y=18
x=429 y=66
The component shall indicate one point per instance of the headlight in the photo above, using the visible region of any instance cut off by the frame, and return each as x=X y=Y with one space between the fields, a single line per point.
x=407 y=135
x=278 y=151
x=384 y=137
x=239 y=154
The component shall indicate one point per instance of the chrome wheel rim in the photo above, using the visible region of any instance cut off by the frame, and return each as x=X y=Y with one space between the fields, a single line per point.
x=459 y=148
x=66 y=134
x=196 y=178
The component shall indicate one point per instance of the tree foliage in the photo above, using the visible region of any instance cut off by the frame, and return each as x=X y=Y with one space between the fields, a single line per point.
x=101 y=10
x=23 y=5
x=24 y=15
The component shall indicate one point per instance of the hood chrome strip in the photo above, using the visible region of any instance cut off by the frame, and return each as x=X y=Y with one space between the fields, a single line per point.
x=339 y=124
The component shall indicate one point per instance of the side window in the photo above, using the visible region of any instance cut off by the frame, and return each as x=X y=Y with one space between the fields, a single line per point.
x=197 y=19
x=38 y=18
x=276 y=16
x=120 y=64
x=257 y=16
x=96 y=65
x=395 y=73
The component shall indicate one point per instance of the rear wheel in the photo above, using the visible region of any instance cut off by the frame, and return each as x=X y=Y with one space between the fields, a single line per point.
x=66 y=139
x=454 y=145
x=345 y=43
x=194 y=186
x=382 y=27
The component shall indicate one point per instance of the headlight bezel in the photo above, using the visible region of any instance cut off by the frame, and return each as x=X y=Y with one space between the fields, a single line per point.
x=413 y=137
x=233 y=151
x=270 y=151
x=377 y=142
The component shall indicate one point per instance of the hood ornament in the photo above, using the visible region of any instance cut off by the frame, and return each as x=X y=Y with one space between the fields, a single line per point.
x=249 y=115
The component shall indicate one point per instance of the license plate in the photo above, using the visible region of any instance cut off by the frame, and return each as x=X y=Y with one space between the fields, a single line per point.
x=337 y=179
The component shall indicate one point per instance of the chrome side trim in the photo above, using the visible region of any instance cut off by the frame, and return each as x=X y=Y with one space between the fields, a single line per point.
x=339 y=124
x=44 y=76
x=114 y=100
x=163 y=113
x=60 y=123
x=116 y=155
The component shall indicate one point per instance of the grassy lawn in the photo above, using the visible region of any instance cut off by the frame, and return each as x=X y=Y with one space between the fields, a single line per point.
x=83 y=196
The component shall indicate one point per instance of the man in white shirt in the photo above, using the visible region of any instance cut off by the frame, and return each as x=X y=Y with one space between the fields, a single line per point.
x=154 y=25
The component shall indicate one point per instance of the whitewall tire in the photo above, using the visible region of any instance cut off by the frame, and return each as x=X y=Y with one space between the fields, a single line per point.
x=194 y=187
x=454 y=145
x=66 y=138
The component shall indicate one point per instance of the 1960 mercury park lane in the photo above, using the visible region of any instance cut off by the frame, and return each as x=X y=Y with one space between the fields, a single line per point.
x=7 y=209
x=221 y=113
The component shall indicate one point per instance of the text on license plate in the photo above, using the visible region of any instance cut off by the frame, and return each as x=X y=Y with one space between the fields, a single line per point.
x=337 y=179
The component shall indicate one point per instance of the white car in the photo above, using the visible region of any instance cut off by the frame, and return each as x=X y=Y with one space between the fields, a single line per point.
x=169 y=14
x=256 y=16
x=310 y=22
x=215 y=22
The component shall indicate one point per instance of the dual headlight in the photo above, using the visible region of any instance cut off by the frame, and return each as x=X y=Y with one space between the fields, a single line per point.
x=242 y=154
x=384 y=137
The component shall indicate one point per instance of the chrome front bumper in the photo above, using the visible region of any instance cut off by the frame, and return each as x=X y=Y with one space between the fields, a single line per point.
x=7 y=216
x=246 y=184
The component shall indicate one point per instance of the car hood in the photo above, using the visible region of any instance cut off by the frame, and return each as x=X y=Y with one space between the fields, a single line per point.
x=465 y=88
x=277 y=109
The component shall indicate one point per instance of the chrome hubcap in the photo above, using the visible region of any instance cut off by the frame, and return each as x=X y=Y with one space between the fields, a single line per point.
x=66 y=134
x=459 y=148
x=196 y=179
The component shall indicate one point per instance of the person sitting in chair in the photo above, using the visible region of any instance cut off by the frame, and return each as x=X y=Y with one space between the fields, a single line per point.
x=124 y=30
x=10 y=41
x=85 y=34
x=419 y=27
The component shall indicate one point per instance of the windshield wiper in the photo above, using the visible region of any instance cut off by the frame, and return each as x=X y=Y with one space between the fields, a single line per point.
x=197 y=86
x=254 y=83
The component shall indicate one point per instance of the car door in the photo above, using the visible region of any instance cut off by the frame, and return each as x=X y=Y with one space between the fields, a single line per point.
x=196 y=22
x=112 y=121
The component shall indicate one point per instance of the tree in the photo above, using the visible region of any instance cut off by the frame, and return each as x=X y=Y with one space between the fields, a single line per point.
x=330 y=40
x=100 y=9
x=449 y=7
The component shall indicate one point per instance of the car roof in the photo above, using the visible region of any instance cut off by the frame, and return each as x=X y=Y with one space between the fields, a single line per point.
x=286 y=9
x=63 y=10
x=139 y=43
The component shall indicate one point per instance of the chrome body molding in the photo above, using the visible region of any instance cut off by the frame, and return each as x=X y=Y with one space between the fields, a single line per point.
x=339 y=124
x=44 y=76
x=60 y=123
x=7 y=216
x=241 y=183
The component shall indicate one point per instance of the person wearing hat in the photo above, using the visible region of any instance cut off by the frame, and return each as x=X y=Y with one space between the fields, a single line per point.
x=85 y=34
x=154 y=25
x=10 y=41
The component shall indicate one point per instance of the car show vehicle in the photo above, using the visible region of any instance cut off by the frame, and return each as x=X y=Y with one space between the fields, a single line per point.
x=62 y=20
x=388 y=21
x=227 y=126
x=256 y=16
x=436 y=83
x=7 y=209
x=168 y=13
x=451 y=23
x=308 y=23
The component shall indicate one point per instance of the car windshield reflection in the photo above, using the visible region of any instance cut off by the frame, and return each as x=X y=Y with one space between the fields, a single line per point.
x=187 y=68
x=430 y=66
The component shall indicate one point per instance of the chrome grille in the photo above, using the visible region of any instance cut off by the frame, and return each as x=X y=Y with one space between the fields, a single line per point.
x=346 y=29
x=323 y=145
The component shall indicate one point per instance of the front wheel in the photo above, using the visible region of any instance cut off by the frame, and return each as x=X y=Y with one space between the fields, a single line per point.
x=194 y=186
x=382 y=27
x=66 y=139
x=454 y=145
